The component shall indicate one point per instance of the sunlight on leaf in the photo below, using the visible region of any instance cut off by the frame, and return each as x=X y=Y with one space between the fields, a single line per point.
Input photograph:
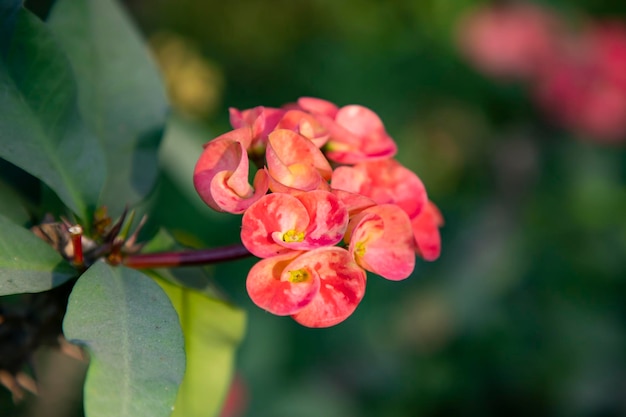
x=213 y=330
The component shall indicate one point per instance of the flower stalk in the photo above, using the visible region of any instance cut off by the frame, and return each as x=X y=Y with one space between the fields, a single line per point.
x=185 y=257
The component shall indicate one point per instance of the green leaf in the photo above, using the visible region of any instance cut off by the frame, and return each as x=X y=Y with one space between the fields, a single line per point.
x=181 y=148
x=213 y=330
x=27 y=263
x=121 y=94
x=9 y=10
x=40 y=128
x=134 y=337
x=11 y=204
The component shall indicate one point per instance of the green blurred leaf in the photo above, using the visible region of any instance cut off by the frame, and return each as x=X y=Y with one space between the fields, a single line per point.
x=121 y=95
x=213 y=330
x=135 y=340
x=40 y=128
x=176 y=204
x=11 y=204
x=182 y=146
x=27 y=263
x=9 y=10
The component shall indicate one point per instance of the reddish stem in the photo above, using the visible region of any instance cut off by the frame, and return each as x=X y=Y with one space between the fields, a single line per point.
x=185 y=258
x=76 y=232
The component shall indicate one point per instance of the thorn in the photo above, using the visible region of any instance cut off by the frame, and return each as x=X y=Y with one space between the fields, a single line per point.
x=112 y=234
x=26 y=382
x=130 y=242
x=73 y=351
x=11 y=384
x=124 y=233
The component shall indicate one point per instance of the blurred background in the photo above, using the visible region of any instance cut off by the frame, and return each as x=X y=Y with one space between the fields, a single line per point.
x=513 y=115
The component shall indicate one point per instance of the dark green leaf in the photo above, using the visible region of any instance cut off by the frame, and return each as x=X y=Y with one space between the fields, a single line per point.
x=135 y=341
x=27 y=263
x=11 y=204
x=40 y=129
x=213 y=330
x=9 y=10
x=121 y=95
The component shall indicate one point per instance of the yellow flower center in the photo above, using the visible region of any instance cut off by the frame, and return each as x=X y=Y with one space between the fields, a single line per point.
x=293 y=236
x=360 y=249
x=299 y=275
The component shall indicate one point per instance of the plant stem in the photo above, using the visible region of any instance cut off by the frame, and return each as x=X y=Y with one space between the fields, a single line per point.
x=76 y=233
x=185 y=258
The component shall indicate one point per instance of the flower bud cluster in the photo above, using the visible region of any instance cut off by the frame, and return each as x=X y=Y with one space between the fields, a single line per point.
x=327 y=203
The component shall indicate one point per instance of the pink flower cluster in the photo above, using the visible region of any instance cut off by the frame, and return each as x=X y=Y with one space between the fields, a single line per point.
x=327 y=203
x=577 y=77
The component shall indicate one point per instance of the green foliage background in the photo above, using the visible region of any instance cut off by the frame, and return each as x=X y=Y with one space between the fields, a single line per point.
x=524 y=312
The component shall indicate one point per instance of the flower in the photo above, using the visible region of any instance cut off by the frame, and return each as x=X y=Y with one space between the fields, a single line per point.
x=356 y=133
x=338 y=205
x=280 y=223
x=318 y=288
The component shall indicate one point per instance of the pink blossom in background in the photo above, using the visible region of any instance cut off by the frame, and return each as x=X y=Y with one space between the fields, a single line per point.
x=510 y=41
x=576 y=76
x=584 y=89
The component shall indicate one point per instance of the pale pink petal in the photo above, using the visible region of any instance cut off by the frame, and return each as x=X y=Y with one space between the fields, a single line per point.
x=318 y=106
x=381 y=241
x=426 y=232
x=278 y=187
x=306 y=125
x=328 y=219
x=357 y=134
x=231 y=202
x=295 y=161
x=272 y=221
x=385 y=181
x=342 y=287
x=221 y=175
x=260 y=121
x=354 y=202
x=281 y=285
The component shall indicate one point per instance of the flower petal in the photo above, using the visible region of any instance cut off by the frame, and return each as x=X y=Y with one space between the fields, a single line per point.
x=381 y=241
x=342 y=287
x=281 y=285
x=356 y=135
x=317 y=106
x=221 y=174
x=385 y=181
x=306 y=125
x=328 y=218
x=295 y=161
x=426 y=232
x=265 y=223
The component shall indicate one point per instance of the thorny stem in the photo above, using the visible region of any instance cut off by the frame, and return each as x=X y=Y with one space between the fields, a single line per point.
x=185 y=258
